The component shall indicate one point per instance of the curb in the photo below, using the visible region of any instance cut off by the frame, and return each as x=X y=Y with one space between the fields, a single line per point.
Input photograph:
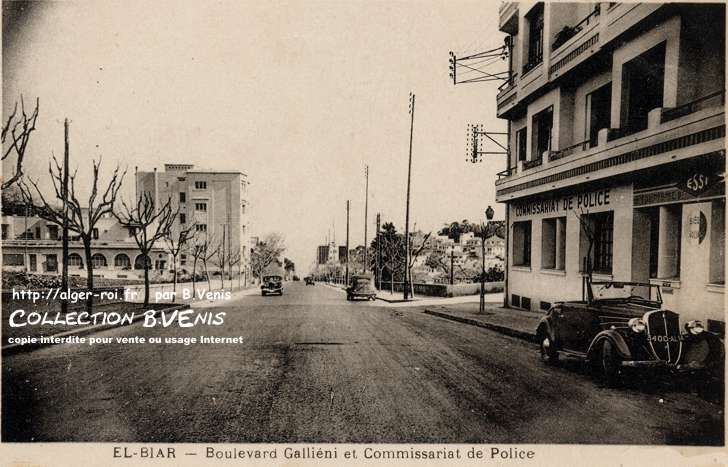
x=493 y=327
x=13 y=349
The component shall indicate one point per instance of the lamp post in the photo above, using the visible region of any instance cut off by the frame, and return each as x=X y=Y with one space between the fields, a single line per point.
x=483 y=231
x=452 y=263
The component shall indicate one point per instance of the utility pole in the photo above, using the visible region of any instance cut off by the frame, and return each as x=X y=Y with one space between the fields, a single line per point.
x=347 y=243
x=409 y=179
x=377 y=270
x=452 y=264
x=64 y=273
x=366 y=207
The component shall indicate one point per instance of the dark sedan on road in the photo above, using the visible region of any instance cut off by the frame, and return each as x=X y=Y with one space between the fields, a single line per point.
x=309 y=280
x=271 y=285
x=361 y=287
x=623 y=325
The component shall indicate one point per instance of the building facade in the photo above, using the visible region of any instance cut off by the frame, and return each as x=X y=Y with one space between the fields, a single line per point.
x=616 y=132
x=34 y=245
x=214 y=202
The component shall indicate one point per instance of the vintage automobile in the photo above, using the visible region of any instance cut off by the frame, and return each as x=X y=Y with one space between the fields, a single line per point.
x=309 y=280
x=361 y=287
x=271 y=285
x=622 y=325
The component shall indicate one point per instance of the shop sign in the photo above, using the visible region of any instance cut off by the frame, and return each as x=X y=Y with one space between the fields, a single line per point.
x=579 y=202
x=697 y=182
x=697 y=227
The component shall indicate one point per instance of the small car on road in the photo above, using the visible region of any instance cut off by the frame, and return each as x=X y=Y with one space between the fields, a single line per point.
x=309 y=280
x=272 y=284
x=623 y=325
x=360 y=286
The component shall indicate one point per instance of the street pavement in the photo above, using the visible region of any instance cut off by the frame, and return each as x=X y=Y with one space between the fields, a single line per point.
x=316 y=368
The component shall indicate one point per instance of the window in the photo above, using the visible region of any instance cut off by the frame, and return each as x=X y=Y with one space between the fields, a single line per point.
x=95 y=234
x=122 y=261
x=37 y=233
x=139 y=262
x=521 y=139
x=98 y=260
x=53 y=232
x=200 y=185
x=642 y=88
x=201 y=207
x=51 y=263
x=541 y=132
x=5 y=231
x=600 y=227
x=522 y=243
x=535 y=37
x=182 y=259
x=75 y=260
x=201 y=227
x=33 y=262
x=553 y=243
x=182 y=218
x=182 y=197
x=159 y=264
x=599 y=109
x=13 y=259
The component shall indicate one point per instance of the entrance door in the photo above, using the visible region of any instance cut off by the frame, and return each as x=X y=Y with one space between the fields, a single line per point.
x=33 y=263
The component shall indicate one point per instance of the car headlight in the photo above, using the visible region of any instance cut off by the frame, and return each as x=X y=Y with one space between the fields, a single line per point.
x=636 y=324
x=694 y=327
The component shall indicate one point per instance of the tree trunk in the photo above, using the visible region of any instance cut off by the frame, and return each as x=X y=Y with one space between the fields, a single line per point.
x=207 y=274
x=194 y=275
x=89 y=272
x=146 y=279
x=174 y=276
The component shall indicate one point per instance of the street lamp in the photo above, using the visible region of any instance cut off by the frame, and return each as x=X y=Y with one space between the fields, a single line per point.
x=484 y=229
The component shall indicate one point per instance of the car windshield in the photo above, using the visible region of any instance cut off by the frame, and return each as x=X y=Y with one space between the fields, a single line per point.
x=625 y=291
x=272 y=278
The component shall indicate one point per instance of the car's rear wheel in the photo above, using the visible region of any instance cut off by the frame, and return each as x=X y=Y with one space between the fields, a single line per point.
x=607 y=364
x=549 y=354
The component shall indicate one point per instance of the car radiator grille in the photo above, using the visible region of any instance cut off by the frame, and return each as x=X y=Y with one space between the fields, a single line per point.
x=663 y=333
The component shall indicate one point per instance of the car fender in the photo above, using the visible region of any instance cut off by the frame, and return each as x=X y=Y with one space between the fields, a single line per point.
x=616 y=338
x=545 y=328
x=716 y=350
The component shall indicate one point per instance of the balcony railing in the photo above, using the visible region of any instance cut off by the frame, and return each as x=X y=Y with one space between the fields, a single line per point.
x=509 y=83
x=533 y=163
x=506 y=173
x=567 y=151
x=568 y=32
x=714 y=99
x=531 y=64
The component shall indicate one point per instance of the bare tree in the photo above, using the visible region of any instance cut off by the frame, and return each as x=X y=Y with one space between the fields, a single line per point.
x=175 y=242
x=266 y=252
x=587 y=228
x=219 y=258
x=148 y=224
x=415 y=251
x=81 y=220
x=234 y=259
x=200 y=250
x=16 y=132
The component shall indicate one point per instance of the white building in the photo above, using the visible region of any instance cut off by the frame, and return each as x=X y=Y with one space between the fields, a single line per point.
x=216 y=202
x=616 y=117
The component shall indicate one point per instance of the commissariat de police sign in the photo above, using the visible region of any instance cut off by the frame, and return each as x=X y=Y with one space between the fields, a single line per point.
x=580 y=201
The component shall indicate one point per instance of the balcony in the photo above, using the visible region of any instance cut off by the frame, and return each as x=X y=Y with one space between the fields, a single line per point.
x=694 y=129
x=508 y=17
x=569 y=150
x=532 y=163
x=571 y=44
x=507 y=94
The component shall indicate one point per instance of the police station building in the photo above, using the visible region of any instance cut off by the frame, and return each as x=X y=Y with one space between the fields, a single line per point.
x=616 y=134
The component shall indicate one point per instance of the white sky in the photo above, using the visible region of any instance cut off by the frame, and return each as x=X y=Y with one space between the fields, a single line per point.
x=297 y=95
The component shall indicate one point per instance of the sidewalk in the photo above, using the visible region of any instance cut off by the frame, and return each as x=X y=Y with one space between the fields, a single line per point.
x=512 y=322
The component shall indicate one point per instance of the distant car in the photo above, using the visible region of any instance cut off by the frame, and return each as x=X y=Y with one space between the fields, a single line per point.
x=271 y=285
x=361 y=287
x=622 y=325
x=309 y=281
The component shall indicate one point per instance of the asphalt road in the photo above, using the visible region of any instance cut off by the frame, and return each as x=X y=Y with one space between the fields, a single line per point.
x=316 y=368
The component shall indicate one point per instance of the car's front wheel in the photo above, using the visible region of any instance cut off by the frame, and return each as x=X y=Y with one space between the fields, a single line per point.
x=549 y=354
x=608 y=363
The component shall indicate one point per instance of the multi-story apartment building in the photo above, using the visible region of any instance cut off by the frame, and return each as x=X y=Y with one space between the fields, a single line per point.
x=214 y=202
x=616 y=132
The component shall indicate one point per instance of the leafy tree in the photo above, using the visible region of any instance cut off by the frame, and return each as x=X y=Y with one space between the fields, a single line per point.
x=266 y=252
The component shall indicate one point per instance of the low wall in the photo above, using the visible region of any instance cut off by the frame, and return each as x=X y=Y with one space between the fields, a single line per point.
x=447 y=290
